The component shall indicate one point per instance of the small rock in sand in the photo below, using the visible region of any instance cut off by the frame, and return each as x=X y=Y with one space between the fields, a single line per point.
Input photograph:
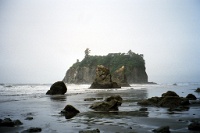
x=90 y=131
x=163 y=129
x=32 y=129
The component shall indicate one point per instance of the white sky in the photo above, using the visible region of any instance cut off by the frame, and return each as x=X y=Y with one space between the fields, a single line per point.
x=41 y=39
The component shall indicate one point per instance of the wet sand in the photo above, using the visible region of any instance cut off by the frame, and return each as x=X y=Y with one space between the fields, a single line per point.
x=45 y=111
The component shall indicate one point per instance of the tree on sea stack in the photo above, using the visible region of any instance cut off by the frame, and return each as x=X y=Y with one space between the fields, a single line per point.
x=87 y=52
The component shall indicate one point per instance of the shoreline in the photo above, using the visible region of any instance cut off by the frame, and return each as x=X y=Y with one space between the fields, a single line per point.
x=45 y=111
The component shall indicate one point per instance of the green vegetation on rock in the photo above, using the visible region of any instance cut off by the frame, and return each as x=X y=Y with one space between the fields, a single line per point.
x=84 y=71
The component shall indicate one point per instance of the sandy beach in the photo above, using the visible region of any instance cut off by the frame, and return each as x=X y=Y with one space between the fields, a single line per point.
x=45 y=110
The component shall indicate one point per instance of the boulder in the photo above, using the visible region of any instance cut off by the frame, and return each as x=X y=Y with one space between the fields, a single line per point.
x=197 y=90
x=58 y=88
x=191 y=97
x=170 y=93
x=103 y=79
x=69 y=111
x=115 y=98
x=120 y=78
x=163 y=129
x=170 y=101
x=32 y=129
x=195 y=126
x=109 y=104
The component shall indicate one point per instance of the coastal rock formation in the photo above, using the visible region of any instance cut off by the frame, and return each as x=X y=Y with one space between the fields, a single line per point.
x=84 y=72
x=109 y=104
x=191 y=97
x=7 y=122
x=120 y=78
x=103 y=79
x=32 y=129
x=194 y=126
x=69 y=111
x=169 y=99
x=58 y=88
x=197 y=90
x=163 y=129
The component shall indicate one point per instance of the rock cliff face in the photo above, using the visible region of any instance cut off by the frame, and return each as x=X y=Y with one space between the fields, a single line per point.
x=86 y=75
x=80 y=75
x=129 y=66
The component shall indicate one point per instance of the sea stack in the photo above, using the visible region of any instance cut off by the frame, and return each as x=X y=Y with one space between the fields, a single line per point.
x=103 y=79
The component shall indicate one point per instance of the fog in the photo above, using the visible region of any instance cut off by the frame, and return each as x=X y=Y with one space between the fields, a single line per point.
x=41 y=39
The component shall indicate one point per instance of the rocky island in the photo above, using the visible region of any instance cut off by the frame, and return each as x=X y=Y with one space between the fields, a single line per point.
x=124 y=67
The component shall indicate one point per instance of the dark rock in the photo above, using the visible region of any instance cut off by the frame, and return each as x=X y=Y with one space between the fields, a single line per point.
x=69 y=111
x=110 y=104
x=117 y=98
x=170 y=93
x=194 y=126
x=7 y=122
x=191 y=97
x=120 y=78
x=143 y=109
x=90 y=99
x=184 y=102
x=170 y=101
x=197 y=90
x=151 y=101
x=163 y=129
x=29 y=118
x=58 y=88
x=103 y=79
x=33 y=129
x=90 y=131
x=17 y=122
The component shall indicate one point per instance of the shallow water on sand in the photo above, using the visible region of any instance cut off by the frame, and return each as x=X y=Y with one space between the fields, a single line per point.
x=22 y=101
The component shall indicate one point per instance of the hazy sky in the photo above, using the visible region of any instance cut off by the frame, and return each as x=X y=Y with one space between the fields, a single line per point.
x=41 y=39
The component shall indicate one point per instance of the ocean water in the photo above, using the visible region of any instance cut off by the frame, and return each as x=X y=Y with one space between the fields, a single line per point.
x=19 y=101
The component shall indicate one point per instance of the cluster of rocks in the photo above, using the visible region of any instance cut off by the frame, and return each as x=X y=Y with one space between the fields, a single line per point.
x=109 y=104
x=193 y=126
x=104 y=80
x=7 y=122
x=32 y=129
x=169 y=99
